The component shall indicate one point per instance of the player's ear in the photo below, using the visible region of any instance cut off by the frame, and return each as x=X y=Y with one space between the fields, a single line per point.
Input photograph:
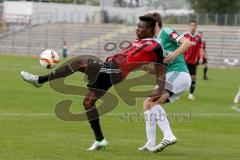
x=156 y=28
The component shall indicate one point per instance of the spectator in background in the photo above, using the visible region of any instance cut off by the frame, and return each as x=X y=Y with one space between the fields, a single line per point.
x=127 y=3
x=137 y=3
x=120 y=3
x=65 y=50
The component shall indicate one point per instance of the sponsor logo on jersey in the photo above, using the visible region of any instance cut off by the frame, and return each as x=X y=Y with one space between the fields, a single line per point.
x=137 y=45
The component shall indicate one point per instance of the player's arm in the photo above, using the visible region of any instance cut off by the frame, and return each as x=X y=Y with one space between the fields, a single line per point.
x=149 y=69
x=160 y=71
x=201 y=55
x=184 y=46
x=204 y=53
x=161 y=76
x=161 y=79
x=201 y=51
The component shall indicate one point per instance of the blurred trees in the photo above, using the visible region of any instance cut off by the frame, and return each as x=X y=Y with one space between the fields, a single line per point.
x=215 y=6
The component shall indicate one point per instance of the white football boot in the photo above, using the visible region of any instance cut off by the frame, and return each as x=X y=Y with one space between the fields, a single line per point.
x=147 y=147
x=30 y=78
x=164 y=143
x=191 y=97
x=98 y=145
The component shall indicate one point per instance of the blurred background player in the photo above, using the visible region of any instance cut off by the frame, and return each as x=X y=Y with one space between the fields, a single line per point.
x=191 y=55
x=177 y=81
x=237 y=97
x=65 y=50
x=205 y=63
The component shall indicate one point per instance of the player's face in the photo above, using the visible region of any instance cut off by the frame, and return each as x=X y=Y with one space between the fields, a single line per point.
x=143 y=31
x=193 y=27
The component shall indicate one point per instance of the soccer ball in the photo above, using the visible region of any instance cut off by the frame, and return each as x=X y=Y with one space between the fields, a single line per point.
x=49 y=59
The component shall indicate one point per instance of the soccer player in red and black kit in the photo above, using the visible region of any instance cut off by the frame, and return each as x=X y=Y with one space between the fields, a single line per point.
x=102 y=75
x=191 y=55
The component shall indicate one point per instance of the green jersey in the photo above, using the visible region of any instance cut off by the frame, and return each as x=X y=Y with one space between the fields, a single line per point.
x=169 y=38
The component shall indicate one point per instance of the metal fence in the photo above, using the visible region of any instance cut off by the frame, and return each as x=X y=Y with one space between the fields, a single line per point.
x=123 y=17
x=132 y=18
x=206 y=19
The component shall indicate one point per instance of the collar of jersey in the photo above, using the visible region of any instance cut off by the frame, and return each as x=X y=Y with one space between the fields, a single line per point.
x=146 y=39
x=194 y=35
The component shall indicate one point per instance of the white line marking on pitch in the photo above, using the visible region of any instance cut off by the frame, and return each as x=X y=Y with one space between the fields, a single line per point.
x=235 y=107
x=112 y=114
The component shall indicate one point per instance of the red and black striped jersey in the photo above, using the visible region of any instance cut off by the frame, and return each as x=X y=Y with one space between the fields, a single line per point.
x=138 y=53
x=191 y=55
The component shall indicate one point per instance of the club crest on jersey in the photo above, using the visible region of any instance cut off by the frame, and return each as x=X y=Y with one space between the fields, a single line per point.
x=174 y=35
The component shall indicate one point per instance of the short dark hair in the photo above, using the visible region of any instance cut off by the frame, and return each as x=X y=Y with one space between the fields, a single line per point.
x=150 y=22
x=154 y=16
x=192 y=21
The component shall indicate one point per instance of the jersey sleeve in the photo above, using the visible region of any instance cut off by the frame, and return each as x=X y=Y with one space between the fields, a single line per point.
x=172 y=34
x=158 y=50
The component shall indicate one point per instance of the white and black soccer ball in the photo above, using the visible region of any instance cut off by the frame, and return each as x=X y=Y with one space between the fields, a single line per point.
x=49 y=59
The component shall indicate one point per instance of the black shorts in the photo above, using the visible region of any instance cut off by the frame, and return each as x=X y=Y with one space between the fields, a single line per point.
x=192 y=69
x=108 y=75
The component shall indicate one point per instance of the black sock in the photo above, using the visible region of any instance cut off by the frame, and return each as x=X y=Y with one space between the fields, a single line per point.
x=43 y=79
x=62 y=71
x=205 y=72
x=77 y=64
x=192 y=88
x=93 y=118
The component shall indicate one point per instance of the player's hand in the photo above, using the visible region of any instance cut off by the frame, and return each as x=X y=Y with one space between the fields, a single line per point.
x=171 y=56
x=193 y=43
x=155 y=95
x=150 y=102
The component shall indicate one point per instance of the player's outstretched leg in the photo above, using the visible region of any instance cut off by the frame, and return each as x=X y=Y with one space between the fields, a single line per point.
x=89 y=65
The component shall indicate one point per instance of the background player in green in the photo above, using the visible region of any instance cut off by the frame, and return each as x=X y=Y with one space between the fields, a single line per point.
x=177 y=81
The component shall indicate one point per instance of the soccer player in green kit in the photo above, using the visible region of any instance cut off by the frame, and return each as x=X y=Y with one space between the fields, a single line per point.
x=178 y=80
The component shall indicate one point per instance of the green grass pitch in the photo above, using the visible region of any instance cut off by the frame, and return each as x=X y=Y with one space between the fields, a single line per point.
x=29 y=129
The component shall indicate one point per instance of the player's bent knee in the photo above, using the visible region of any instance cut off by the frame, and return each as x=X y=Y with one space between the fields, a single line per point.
x=161 y=101
x=88 y=103
x=146 y=105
